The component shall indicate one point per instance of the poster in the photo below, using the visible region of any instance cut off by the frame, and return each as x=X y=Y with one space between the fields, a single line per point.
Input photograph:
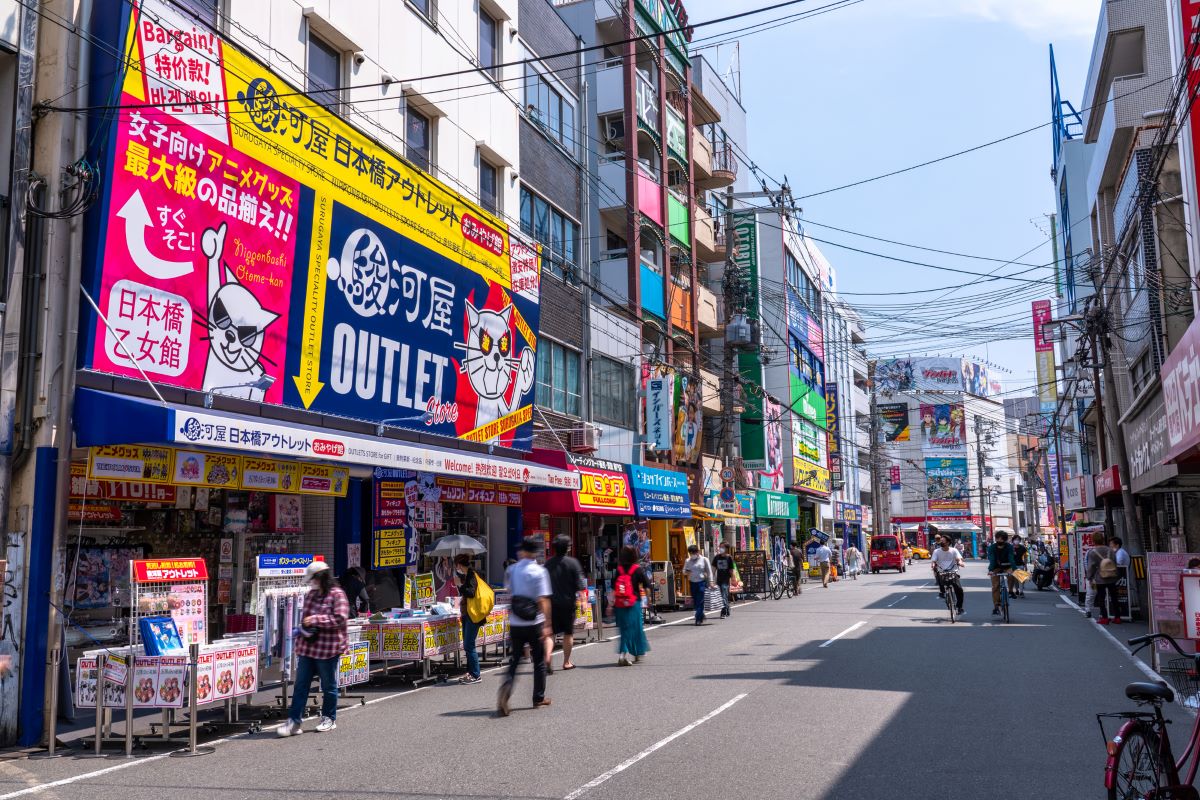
x=893 y=420
x=204 y=678
x=689 y=418
x=948 y=493
x=354 y=667
x=423 y=584
x=257 y=246
x=172 y=681
x=246 y=665
x=976 y=378
x=145 y=682
x=943 y=427
x=202 y=468
x=771 y=476
x=660 y=409
x=1166 y=605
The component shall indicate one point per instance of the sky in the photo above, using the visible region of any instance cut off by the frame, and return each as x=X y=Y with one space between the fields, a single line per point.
x=884 y=84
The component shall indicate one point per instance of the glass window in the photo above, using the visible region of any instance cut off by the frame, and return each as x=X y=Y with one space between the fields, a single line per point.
x=489 y=43
x=426 y=7
x=324 y=72
x=204 y=10
x=558 y=378
x=613 y=392
x=541 y=220
x=547 y=108
x=526 y=211
x=417 y=139
x=487 y=187
x=557 y=233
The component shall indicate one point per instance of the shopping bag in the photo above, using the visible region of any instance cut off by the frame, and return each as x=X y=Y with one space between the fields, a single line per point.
x=1021 y=575
x=713 y=601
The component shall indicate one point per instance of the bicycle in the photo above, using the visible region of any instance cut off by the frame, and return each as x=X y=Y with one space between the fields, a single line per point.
x=1004 y=576
x=1141 y=763
x=778 y=584
x=946 y=581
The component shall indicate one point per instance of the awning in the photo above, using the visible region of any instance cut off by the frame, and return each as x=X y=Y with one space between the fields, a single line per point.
x=603 y=486
x=716 y=515
x=103 y=418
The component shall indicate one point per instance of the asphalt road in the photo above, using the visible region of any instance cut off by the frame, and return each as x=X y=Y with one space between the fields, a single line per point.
x=862 y=690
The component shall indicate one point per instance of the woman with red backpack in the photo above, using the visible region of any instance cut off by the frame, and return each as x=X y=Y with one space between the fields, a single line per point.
x=628 y=584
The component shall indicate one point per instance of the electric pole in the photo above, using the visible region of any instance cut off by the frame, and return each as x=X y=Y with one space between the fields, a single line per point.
x=873 y=452
x=983 y=517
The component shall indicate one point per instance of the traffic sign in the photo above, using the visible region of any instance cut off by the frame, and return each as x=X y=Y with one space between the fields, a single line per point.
x=727 y=474
x=727 y=495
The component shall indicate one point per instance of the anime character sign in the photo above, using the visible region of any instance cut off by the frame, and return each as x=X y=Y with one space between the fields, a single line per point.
x=496 y=374
x=943 y=427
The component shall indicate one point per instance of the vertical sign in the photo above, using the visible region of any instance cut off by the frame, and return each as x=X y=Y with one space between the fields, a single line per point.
x=833 y=431
x=1189 y=9
x=1044 y=353
x=660 y=410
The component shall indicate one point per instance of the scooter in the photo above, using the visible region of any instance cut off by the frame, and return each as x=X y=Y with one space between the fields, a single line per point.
x=1043 y=573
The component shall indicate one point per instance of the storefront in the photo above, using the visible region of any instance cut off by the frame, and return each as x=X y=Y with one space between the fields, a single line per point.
x=848 y=524
x=726 y=519
x=775 y=515
x=812 y=487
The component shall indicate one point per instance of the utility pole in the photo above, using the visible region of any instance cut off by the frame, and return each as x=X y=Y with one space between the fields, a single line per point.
x=1110 y=413
x=874 y=453
x=979 y=459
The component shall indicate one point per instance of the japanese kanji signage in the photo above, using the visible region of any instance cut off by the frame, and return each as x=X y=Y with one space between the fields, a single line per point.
x=170 y=570
x=255 y=245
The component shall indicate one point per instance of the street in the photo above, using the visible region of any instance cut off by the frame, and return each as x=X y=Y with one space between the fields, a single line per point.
x=863 y=690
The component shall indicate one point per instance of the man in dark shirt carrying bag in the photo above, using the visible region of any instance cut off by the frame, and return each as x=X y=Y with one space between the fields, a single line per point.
x=723 y=565
x=566 y=582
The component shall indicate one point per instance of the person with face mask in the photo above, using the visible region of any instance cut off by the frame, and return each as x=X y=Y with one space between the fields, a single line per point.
x=723 y=565
x=321 y=640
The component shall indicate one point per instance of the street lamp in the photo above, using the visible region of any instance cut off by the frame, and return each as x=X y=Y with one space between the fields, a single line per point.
x=261 y=383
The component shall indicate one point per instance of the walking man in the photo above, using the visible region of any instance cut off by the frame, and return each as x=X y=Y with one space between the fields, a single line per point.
x=529 y=622
x=797 y=566
x=724 y=566
x=824 y=556
x=699 y=574
x=566 y=583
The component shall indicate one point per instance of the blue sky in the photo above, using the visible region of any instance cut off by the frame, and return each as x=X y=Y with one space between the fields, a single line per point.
x=884 y=84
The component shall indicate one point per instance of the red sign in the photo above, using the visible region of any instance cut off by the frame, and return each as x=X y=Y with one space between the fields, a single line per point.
x=117 y=492
x=1108 y=481
x=1181 y=393
x=1041 y=315
x=170 y=570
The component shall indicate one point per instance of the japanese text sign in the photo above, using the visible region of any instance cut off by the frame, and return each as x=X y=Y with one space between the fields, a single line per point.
x=169 y=570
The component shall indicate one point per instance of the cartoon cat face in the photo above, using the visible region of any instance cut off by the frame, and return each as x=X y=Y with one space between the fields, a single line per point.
x=488 y=361
x=236 y=326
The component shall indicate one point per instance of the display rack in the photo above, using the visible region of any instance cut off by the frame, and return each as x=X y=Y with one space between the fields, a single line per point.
x=281 y=576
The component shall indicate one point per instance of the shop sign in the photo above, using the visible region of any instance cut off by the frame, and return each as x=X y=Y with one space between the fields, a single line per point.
x=259 y=435
x=100 y=501
x=776 y=505
x=894 y=477
x=605 y=492
x=354 y=667
x=130 y=463
x=200 y=468
x=1108 y=481
x=660 y=493
x=1181 y=391
x=676 y=134
x=169 y=570
x=270 y=475
x=660 y=410
x=423 y=589
x=811 y=478
x=1043 y=352
x=1146 y=441
x=1079 y=493
x=277 y=565
x=847 y=512
x=1190 y=580
x=247 y=233
x=833 y=431
x=947 y=490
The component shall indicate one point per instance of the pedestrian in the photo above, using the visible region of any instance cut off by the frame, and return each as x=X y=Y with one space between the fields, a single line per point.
x=466 y=579
x=355 y=587
x=566 y=583
x=1022 y=554
x=321 y=640
x=1101 y=570
x=797 y=565
x=603 y=578
x=854 y=558
x=824 y=555
x=628 y=586
x=1120 y=554
x=699 y=573
x=724 y=566
x=529 y=622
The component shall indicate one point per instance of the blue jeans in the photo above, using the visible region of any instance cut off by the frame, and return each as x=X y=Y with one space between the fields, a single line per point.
x=470 y=630
x=698 y=588
x=306 y=667
x=725 y=598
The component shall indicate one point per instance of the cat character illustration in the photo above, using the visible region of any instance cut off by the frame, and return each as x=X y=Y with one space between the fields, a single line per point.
x=237 y=325
x=498 y=378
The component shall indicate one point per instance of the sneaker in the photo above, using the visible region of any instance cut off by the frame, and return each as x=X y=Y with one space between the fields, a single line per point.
x=996 y=611
x=623 y=662
x=502 y=697
x=1102 y=621
x=326 y=724
x=465 y=679
x=289 y=728
x=545 y=701
x=1116 y=620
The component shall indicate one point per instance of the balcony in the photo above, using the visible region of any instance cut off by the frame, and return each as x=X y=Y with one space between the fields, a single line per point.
x=614 y=199
x=858 y=363
x=612 y=278
x=708 y=312
x=610 y=87
x=706 y=237
x=702 y=156
x=710 y=391
x=681 y=302
x=724 y=169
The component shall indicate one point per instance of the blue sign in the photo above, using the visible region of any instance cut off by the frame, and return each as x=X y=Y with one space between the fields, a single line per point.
x=797 y=316
x=280 y=565
x=659 y=493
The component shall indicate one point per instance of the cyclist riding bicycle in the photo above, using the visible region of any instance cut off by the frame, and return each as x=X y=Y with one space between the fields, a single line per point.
x=1002 y=560
x=946 y=563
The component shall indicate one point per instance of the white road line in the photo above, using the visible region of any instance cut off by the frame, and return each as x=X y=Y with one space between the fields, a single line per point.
x=1146 y=670
x=41 y=787
x=905 y=597
x=851 y=629
x=629 y=762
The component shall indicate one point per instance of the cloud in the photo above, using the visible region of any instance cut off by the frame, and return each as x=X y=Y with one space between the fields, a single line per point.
x=1042 y=18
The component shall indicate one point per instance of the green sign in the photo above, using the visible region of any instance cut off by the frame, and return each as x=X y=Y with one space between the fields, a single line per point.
x=775 y=505
x=807 y=402
x=676 y=135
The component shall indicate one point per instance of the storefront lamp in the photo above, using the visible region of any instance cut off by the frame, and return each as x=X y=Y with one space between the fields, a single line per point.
x=262 y=383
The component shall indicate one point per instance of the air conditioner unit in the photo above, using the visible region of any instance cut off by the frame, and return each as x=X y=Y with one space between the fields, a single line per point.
x=614 y=129
x=586 y=440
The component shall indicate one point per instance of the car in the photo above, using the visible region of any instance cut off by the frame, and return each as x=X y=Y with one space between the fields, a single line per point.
x=920 y=553
x=887 y=552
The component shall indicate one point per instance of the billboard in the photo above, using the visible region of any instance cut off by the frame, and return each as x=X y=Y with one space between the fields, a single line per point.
x=948 y=491
x=935 y=375
x=660 y=408
x=938 y=374
x=689 y=418
x=771 y=476
x=833 y=432
x=1043 y=352
x=893 y=420
x=943 y=427
x=264 y=249
x=894 y=375
x=976 y=378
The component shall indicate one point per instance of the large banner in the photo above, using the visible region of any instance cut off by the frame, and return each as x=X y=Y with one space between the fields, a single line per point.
x=771 y=476
x=833 y=431
x=689 y=419
x=976 y=378
x=255 y=245
x=948 y=493
x=893 y=419
x=1043 y=353
x=943 y=427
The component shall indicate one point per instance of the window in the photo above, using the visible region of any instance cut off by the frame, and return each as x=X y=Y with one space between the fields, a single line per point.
x=417 y=139
x=613 y=392
x=427 y=8
x=809 y=292
x=487 y=187
x=548 y=108
x=558 y=378
x=324 y=72
x=207 y=11
x=489 y=43
x=558 y=234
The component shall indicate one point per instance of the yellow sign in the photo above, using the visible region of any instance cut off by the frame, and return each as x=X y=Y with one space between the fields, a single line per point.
x=201 y=468
x=130 y=462
x=424 y=583
x=810 y=477
x=324 y=480
x=270 y=475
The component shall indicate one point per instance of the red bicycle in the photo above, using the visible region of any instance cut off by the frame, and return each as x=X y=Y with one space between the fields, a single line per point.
x=1141 y=764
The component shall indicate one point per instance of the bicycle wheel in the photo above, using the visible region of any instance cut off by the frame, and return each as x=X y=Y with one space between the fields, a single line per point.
x=950 y=602
x=777 y=587
x=788 y=588
x=1138 y=766
x=1004 y=606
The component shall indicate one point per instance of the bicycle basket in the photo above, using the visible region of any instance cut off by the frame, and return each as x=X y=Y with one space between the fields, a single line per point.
x=1183 y=675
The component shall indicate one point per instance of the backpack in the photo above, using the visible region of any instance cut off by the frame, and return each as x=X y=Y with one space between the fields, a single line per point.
x=623 y=594
x=481 y=603
x=1108 y=568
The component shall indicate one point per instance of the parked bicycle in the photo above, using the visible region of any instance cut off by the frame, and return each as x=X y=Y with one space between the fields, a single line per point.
x=1141 y=763
x=779 y=582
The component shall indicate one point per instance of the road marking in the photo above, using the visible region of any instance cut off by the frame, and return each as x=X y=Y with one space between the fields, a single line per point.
x=851 y=629
x=905 y=597
x=1146 y=670
x=629 y=762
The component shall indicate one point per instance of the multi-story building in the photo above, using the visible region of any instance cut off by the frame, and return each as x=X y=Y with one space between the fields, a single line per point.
x=848 y=418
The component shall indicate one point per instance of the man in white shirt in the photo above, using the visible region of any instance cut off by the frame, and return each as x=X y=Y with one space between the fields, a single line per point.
x=824 y=555
x=947 y=559
x=699 y=575
x=1121 y=555
x=529 y=622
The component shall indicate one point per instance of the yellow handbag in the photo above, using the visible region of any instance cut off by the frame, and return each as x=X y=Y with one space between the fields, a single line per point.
x=479 y=606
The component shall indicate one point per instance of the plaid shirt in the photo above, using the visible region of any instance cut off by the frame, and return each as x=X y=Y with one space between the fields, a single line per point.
x=331 y=612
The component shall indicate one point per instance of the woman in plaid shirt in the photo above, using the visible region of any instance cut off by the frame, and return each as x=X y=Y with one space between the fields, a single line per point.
x=320 y=640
